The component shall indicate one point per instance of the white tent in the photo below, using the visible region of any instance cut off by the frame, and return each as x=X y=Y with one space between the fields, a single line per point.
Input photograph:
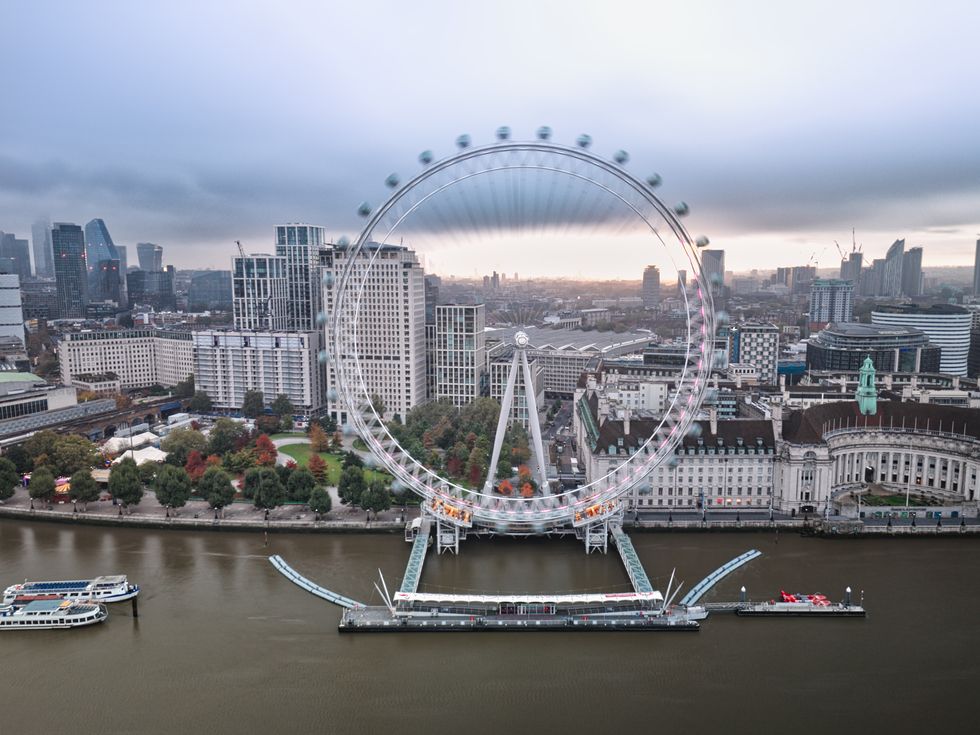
x=120 y=443
x=147 y=454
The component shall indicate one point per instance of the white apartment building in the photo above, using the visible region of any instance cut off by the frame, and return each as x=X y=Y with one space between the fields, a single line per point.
x=305 y=250
x=11 y=312
x=756 y=344
x=139 y=358
x=831 y=300
x=229 y=363
x=459 y=352
x=260 y=292
x=948 y=327
x=390 y=324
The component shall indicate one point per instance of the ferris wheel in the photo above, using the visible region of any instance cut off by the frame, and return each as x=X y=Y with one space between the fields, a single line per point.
x=536 y=190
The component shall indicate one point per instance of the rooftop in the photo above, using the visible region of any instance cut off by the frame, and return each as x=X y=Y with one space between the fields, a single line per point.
x=579 y=340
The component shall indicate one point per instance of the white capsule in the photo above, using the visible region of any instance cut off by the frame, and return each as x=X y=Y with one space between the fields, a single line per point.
x=392 y=181
x=364 y=210
x=327 y=278
x=463 y=141
x=544 y=132
x=681 y=209
x=584 y=141
x=702 y=242
x=322 y=356
x=621 y=157
x=503 y=132
x=654 y=180
x=425 y=158
x=332 y=394
x=321 y=318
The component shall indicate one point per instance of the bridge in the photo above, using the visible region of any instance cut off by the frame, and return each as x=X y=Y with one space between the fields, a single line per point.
x=634 y=567
x=698 y=591
x=314 y=589
x=420 y=545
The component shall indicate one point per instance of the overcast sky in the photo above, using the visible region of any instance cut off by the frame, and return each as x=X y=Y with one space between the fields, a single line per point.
x=781 y=124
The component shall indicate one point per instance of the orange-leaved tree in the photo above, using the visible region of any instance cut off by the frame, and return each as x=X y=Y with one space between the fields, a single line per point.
x=265 y=451
x=505 y=488
x=319 y=441
x=318 y=468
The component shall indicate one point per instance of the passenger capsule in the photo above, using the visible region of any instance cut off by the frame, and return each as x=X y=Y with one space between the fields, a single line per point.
x=344 y=241
x=584 y=141
x=425 y=158
x=681 y=209
x=463 y=141
x=654 y=180
x=392 y=181
x=702 y=242
x=364 y=210
x=544 y=132
x=321 y=318
x=503 y=132
x=327 y=279
x=322 y=356
x=621 y=157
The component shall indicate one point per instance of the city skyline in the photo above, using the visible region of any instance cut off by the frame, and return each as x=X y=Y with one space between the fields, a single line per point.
x=877 y=141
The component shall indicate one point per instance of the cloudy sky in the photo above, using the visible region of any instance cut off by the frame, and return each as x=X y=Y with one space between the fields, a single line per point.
x=782 y=124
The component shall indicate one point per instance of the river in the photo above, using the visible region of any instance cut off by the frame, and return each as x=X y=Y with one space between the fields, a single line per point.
x=225 y=644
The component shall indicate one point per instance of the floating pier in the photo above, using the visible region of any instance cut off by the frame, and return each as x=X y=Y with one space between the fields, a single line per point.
x=314 y=589
x=698 y=590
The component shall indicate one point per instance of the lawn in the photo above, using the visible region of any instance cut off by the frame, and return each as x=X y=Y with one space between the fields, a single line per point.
x=287 y=435
x=301 y=453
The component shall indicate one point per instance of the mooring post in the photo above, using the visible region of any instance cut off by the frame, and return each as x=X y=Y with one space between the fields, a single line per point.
x=847 y=597
x=741 y=596
x=136 y=607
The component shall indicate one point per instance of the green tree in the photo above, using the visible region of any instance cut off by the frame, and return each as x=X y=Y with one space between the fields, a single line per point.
x=84 y=489
x=179 y=444
x=148 y=471
x=270 y=492
x=504 y=467
x=172 y=486
x=237 y=462
x=300 y=485
x=250 y=482
x=185 y=388
x=125 y=484
x=41 y=486
x=268 y=424
x=253 y=404
x=41 y=447
x=351 y=485
x=216 y=486
x=9 y=478
x=376 y=498
x=200 y=402
x=21 y=459
x=378 y=404
x=282 y=406
x=226 y=436
x=320 y=502
x=352 y=460
x=73 y=453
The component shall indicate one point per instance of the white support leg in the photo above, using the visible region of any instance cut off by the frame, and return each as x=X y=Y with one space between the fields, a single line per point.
x=498 y=439
x=532 y=418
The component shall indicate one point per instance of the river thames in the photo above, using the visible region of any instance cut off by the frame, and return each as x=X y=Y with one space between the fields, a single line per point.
x=224 y=643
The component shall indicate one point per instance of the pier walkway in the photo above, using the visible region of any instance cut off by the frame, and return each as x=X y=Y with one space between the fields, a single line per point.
x=413 y=570
x=634 y=567
x=698 y=591
x=296 y=578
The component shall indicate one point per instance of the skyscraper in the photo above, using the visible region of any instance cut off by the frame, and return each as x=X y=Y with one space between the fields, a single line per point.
x=259 y=292
x=651 y=286
x=976 y=269
x=102 y=263
x=713 y=265
x=850 y=269
x=912 y=272
x=305 y=249
x=150 y=256
x=892 y=278
x=152 y=288
x=460 y=354
x=18 y=252
x=68 y=249
x=681 y=281
x=11 y=311
x=41 y=237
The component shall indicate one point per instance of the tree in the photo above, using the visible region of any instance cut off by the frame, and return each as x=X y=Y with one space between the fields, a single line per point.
x=352 y=460
x=73 y=453
x=185 y=388
x=253 y=404
x=265 y=451
x=527 y=490
x=200 y=402
x=286 y=423
x=216 y=486
x=270 y=493
x=351 y=485
x=125 y=484
x=319 y=442
x=123 y=401
x=41 y=447
x=226 y=436
x=195 y=466
x=84 y=489
x=300 y=486
x=179 y=444
x=20 y=457
x=376 y=498
x=250 y=482
x=337 y=443
x=238 y=462
x=505 y=488
x=282 y=406
x=148 y=471
x=41 y=486
x=504 y=467
x=318 y=468
x=378 y=404
x=320 y=502
x=172 y=486
x=9 y=478
x=268 y=424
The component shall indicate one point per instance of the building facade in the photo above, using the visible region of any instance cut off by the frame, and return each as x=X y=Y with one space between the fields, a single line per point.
x=260 y=293
x=150 y=256
x=500 y=373
x=891 y=284
x=154 y=289
x=912 y=272
x=305 y=251
x=831 y=300
x=460 y=353
x=651 y=287
x=947 y=326
x=893 y=349
x=41 y=243
x=756 y=344
x=71 y=275
x=17 y=253
x=102 y=263
x=11 y=312
x=139 y=358
x=210 y=291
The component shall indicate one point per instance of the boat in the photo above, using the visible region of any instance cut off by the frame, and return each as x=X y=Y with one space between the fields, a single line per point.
x=802 y=604
x=52 y=613
x=113 y=588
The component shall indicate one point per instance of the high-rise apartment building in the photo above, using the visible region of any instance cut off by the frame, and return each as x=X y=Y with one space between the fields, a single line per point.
x=150 y=256
x=681 y=281
x=831 y=300
x=390 y=323
x=139 y=358
x=912 y=272
x=210 y=290
x=11 y=311
x=68 y=248
x=976 y=270
x=18 y=253
x=891 y=284
x=651 y=286
x=41 y=241
x=260 y=292
x=713 y=265
x=757 y=345
x=460 y=352
x=304 y=248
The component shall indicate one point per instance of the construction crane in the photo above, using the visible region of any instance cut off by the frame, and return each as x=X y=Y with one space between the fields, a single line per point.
x=843 y=255
x=241 y=250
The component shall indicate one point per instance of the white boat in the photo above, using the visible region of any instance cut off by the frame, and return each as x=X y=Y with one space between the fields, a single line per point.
x=114 y=588
x=56 y=613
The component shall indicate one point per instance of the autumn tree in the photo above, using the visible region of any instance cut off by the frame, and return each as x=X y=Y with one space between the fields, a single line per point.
x=318 y=468
x=227 y=436
x=265 y=451
x=195 y=466
x=505 y=488
x=179 y=444
x=319 y=442
x=527 y=490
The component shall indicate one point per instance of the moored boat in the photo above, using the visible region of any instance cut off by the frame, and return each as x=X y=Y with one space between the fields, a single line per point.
x=52 y=613
x=112 y=588
x=802 y=605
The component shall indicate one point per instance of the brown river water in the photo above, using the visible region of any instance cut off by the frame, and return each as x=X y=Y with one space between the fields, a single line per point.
x=225 y=644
